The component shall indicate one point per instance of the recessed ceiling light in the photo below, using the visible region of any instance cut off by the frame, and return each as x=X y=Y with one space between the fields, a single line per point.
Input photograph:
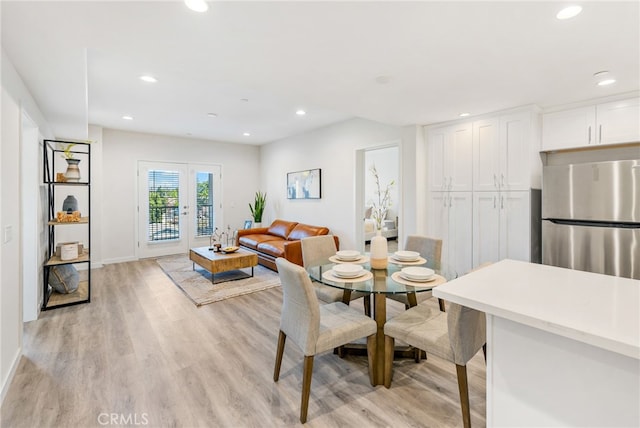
x=212 y=115
x=126 y=117
x=246 y=134
x=197 y=5
x=464 y=114
x=606 y=82
x=301 y=112
x=569 y=12
x=148 y=78
x=603 y=78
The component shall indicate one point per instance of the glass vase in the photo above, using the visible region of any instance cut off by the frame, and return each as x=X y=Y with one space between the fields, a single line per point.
x=379 y=251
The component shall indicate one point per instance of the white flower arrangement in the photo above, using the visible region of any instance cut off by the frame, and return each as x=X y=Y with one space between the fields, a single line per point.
x=382 y=205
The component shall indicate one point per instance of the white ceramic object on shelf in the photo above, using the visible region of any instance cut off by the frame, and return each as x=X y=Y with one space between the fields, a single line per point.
x=379 y=251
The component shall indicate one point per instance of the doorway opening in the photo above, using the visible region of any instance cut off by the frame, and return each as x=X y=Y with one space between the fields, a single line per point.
x=386 y=161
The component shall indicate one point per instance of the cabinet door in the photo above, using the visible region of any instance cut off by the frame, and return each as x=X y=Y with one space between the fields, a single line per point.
x=515 y=226
x=458 y=157
x=486 y=155
x=569 y=128
x=619 y=121
x=460 y=255
x=436 y=139
x=486 y=227
x=437 y=219
x=515 y=152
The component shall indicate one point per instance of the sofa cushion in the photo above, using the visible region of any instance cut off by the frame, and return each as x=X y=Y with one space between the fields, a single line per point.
x=253 y=241
x=302 y=231
x=281 y=228
x=272 y=248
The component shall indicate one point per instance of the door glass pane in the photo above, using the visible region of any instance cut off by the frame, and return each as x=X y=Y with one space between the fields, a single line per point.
x=205 y=214
x=164 y=209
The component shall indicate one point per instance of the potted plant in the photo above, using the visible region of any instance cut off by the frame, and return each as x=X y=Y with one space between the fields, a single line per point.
x=258 y=208
x=72 y=174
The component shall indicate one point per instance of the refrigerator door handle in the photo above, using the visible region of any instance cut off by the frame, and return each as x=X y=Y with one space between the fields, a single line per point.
x=589 y=134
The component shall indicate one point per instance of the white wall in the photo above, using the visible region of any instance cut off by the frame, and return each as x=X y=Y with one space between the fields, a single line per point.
x=11 y=303
x=333 y=149
x=15 y=99
x=121 y=152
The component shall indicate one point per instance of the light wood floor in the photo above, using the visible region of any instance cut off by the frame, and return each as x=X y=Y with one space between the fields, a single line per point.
x=142 y=351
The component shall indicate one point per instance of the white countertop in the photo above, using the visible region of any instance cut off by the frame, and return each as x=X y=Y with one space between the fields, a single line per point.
x=600 y=310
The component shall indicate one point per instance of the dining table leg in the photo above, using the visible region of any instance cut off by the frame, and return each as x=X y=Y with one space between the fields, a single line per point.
x=380 y=316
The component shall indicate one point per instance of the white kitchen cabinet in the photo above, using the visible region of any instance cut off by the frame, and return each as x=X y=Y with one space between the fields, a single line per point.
x=449 y=152
x=449 y=219
x=618 y=121
x=501 y=153
x=606 y=123
x=501 y=226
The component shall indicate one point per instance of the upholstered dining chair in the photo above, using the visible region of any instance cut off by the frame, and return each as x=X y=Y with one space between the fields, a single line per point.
x=430 y=249
x=456 y=336
x=316 y=251
x=316 y=328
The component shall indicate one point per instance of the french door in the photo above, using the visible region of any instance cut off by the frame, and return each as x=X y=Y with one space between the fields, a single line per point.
x=178 y=206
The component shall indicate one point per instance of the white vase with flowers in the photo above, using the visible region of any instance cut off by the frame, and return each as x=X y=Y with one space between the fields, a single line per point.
x=379 y=250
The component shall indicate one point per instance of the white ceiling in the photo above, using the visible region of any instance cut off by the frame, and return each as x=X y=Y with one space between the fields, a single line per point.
x=82 y=60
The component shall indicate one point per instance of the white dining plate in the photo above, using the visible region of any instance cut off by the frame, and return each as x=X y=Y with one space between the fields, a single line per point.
x=431 y=278
x=348 y=255
x=406 y=256
x=415 y=273
x=346 y=270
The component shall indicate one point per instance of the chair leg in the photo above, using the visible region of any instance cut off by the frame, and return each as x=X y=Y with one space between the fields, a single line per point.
x=367 y=305
x=371 y=357
x=463 y=388
x=441 y=303
x=306 y=387
x=276 y=371
x=389 y=345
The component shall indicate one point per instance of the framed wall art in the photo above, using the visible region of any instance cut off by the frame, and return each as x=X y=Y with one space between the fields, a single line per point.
x=304 y=184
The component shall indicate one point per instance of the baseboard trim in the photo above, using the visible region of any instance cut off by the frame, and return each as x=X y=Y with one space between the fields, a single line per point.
x=12 y=373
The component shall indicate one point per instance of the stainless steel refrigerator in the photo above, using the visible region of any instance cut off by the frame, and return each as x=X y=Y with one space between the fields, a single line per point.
x=591 y=217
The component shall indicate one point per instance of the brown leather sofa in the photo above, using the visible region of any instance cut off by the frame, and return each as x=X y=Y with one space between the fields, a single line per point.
x=281 y=239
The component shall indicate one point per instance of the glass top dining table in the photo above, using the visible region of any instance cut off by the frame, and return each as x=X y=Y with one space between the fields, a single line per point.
x=379 y=283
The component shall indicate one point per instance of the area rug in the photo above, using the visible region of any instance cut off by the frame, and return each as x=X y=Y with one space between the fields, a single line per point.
x=196 y=284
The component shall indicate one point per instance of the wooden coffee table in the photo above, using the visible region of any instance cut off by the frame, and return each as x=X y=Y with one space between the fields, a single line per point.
x=216 y=262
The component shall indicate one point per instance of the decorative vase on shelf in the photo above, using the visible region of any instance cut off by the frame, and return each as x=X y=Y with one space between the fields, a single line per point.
x=257 y=224
x=72 y=174
x=379 y=251
x=70 y=204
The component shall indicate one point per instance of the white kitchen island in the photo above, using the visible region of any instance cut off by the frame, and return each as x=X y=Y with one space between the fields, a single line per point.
x=563 y=346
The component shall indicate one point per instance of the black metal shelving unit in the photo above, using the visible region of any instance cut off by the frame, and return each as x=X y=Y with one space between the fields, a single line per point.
x=54 y=168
